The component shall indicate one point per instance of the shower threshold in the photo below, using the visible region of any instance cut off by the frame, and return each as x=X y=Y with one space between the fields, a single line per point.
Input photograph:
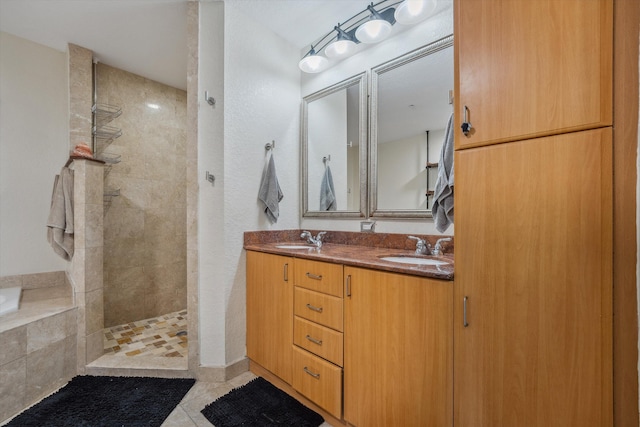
x=158 y=343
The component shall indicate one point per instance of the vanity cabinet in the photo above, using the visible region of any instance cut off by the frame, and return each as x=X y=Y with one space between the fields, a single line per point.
x=371 y=348
x=398 y=349
x=270 y=312
x=526 y=68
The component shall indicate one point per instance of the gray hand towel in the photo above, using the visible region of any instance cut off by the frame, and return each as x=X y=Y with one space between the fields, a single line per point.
x=60 y=221
x=270 y=193
x=442 y=209
x=327 y=192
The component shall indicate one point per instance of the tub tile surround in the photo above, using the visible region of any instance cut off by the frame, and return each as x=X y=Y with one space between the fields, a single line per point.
x=38 y=356
x=357 y=249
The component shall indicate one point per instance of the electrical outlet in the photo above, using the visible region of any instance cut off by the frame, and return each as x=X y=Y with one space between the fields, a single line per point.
x=368 y=226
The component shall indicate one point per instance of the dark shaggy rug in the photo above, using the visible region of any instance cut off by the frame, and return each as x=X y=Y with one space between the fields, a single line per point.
x=107 y=402
x=260 y=404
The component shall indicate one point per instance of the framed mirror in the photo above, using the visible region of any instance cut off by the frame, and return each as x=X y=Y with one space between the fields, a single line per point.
x=334 y=150
x=411 y=102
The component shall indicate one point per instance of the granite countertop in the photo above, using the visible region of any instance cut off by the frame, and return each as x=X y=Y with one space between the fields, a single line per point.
x=355 y=249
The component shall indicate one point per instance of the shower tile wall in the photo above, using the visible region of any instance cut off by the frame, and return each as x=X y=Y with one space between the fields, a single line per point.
x=145 y=226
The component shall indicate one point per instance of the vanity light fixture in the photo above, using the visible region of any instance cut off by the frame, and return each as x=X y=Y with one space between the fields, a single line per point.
x=378 y=27
x=343 y=46
x=411 y=12
x=371 y=25
x=312 y=62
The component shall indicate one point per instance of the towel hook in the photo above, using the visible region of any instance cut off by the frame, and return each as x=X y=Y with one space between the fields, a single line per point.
x=326 y=158
x=210 y=99
x=270 y=145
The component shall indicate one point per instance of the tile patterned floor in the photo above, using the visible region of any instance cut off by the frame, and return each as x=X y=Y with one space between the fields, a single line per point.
x=163 y=336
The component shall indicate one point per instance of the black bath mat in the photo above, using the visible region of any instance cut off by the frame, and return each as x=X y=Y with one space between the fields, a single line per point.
x=260 y=404
x=107 y=402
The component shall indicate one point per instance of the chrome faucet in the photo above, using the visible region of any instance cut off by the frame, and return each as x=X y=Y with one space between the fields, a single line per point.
x=313 y=240
x=421 y=245
x=437 y=249
x=423 y=248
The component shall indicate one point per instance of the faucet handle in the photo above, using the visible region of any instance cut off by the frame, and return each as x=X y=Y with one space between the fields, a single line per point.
x=421 y=245
x=320 y=235
x=437 y=249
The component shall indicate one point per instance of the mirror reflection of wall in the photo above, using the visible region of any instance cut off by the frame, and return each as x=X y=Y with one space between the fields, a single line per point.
x=328 y=147
x=402 y=175
x=411 y=109
x=333 y=124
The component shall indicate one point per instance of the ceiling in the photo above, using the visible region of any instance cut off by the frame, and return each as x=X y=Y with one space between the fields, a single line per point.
x=148 y=37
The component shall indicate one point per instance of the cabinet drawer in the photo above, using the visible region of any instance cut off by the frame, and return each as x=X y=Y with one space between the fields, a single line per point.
x=318 y=380
x=320 y=308
x=319 y=340
x=318 y=276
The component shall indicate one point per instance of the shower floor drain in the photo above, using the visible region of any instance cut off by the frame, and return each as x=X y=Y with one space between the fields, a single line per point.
x=181 y=333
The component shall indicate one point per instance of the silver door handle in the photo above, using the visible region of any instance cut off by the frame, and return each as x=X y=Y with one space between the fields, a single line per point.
x=311 y=307
x=311 y=373
x=286 y=272
x=313 y=340
x=464 y=311
x=348 y=290
x=314 y=276
x=466 y=125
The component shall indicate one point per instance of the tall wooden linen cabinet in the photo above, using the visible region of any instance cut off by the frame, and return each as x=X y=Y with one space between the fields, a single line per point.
x=533 y=213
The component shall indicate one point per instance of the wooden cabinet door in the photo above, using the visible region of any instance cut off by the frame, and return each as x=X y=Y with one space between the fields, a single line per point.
x=270 y=312
x=534 y=261
x=398 y=350
x=528 y=68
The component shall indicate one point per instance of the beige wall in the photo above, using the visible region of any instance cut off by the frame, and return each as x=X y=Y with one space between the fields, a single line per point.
x=33 y=148
x=145 y=226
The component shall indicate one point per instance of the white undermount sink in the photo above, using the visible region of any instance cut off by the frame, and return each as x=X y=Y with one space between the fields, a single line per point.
x=294 y=247
x=413 y=260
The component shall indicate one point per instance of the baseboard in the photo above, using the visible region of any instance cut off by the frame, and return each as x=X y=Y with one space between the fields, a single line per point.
x=222 y=373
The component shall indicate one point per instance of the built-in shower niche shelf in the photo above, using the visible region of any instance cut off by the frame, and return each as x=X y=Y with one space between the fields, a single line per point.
x=104 y=113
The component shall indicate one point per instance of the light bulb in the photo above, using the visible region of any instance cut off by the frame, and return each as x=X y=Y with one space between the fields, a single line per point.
x=313 y=63
x=340 y=49
x=373 y=31
x=413 y=11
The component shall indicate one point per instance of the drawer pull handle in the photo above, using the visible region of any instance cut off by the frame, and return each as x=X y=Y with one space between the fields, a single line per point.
x=311 y=307
x=313 y=340
x=317 y=376
x=314 y=276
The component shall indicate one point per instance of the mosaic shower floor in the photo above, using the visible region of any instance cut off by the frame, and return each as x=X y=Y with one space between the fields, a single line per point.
x=163 y=336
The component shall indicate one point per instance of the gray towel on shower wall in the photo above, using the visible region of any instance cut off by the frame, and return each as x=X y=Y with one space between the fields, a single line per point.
x=270 y=193
x=327 y=192
x=442 y=209
x=60 y=221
